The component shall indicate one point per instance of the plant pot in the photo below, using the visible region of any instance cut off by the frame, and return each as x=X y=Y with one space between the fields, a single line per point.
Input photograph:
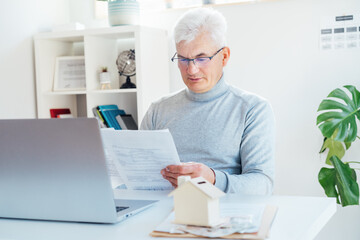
x=122 y=12
x=104 y=80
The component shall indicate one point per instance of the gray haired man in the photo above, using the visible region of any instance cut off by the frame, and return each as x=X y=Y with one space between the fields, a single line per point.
x=222 y=133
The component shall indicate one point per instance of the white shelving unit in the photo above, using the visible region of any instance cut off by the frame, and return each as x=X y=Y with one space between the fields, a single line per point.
x=101 y=47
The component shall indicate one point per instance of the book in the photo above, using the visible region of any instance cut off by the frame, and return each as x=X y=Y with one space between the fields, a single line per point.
x=126 y=122
x=98 y=116
x=109 y=113
x=64 y=116
x=54 y=112
x=103 y=112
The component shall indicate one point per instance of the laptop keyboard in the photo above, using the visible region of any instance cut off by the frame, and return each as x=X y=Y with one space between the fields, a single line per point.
x=119 y=209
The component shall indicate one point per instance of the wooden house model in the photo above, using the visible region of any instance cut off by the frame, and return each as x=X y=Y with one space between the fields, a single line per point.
x=196 y=202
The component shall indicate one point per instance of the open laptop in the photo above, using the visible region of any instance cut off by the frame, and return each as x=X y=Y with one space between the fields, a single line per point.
x=55 y=169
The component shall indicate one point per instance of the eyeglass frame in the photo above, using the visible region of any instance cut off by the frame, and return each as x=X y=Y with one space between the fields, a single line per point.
x=188 y=60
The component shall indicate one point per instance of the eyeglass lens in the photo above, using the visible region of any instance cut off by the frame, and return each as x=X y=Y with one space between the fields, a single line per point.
x=198 y=62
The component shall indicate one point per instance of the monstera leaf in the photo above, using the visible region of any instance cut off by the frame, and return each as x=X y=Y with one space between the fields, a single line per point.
x=335 y=149
x=339 y=116
x=338 y=124
x=340 y=181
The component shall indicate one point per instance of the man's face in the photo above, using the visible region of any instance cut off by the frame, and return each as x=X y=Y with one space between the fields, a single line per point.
x=200 y=79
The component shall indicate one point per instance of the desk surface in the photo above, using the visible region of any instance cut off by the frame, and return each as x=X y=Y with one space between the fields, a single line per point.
x=297 y=218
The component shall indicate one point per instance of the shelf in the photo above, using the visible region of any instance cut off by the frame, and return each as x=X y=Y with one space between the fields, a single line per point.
x=80 y=92
x=131 y=90
x=61 y=36
x=66 y=92
x=101 y=47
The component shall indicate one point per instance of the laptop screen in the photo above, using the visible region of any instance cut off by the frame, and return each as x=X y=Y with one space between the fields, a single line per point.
x=54 y=169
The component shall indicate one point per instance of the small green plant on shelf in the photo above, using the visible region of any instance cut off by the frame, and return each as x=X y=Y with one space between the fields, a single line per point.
x=338 y=122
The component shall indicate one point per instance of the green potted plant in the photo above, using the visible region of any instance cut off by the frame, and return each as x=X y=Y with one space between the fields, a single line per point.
x=338 y=120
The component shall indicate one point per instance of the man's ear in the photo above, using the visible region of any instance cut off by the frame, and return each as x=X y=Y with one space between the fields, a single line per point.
x=226 y=55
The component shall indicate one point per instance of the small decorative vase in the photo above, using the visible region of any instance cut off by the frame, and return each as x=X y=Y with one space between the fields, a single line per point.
x=205 y=2
x=168 y=3
x=104 y=80
x=123 y=12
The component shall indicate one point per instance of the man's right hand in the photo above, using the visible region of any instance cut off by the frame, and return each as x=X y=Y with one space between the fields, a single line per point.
x=192 y=169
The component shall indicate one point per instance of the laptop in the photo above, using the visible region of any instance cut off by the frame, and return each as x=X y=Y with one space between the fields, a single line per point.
x=55 y=169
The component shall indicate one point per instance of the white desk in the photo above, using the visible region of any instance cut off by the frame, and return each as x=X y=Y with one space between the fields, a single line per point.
x=297 y=218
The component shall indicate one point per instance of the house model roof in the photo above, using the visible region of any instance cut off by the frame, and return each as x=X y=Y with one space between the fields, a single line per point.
x=203 y=185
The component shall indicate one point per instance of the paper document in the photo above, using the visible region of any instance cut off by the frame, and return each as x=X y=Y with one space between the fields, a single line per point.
x=115 y=177
x=239 y=218
x=139 y=156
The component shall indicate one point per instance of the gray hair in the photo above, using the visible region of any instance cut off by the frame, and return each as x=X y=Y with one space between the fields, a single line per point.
x=200 y=20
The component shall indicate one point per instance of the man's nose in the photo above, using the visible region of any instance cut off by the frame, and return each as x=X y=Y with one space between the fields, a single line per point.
x=192 y=68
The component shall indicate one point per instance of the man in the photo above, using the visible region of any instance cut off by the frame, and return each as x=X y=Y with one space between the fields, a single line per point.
x=222 y=133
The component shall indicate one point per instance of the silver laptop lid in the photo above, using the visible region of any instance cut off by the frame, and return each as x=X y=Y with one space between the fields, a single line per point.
x=54 y=169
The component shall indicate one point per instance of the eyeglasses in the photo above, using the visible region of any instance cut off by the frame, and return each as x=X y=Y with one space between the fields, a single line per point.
x=198 y=62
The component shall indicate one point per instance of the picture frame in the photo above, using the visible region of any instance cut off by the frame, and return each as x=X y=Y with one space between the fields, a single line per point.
x=69 y=73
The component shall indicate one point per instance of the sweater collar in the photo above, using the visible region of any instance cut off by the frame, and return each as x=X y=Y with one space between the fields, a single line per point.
x=219 y=89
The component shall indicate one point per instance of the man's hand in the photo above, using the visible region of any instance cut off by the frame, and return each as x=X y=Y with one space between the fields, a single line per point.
x=191 y=169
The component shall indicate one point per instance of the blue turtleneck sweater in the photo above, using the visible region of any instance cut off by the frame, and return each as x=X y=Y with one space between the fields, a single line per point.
x=227 y=129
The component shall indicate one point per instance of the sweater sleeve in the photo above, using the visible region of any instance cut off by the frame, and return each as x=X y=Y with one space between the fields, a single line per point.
x=257 y=149
x=147 y=121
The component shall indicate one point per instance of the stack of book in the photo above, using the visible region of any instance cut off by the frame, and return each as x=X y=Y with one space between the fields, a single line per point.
x=60 y=113
x=111 y=116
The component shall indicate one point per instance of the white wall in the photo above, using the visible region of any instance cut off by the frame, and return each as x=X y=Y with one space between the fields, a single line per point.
x=19 y=21
x=82 y=11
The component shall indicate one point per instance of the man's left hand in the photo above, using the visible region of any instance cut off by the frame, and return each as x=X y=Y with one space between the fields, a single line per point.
x=191 y=169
